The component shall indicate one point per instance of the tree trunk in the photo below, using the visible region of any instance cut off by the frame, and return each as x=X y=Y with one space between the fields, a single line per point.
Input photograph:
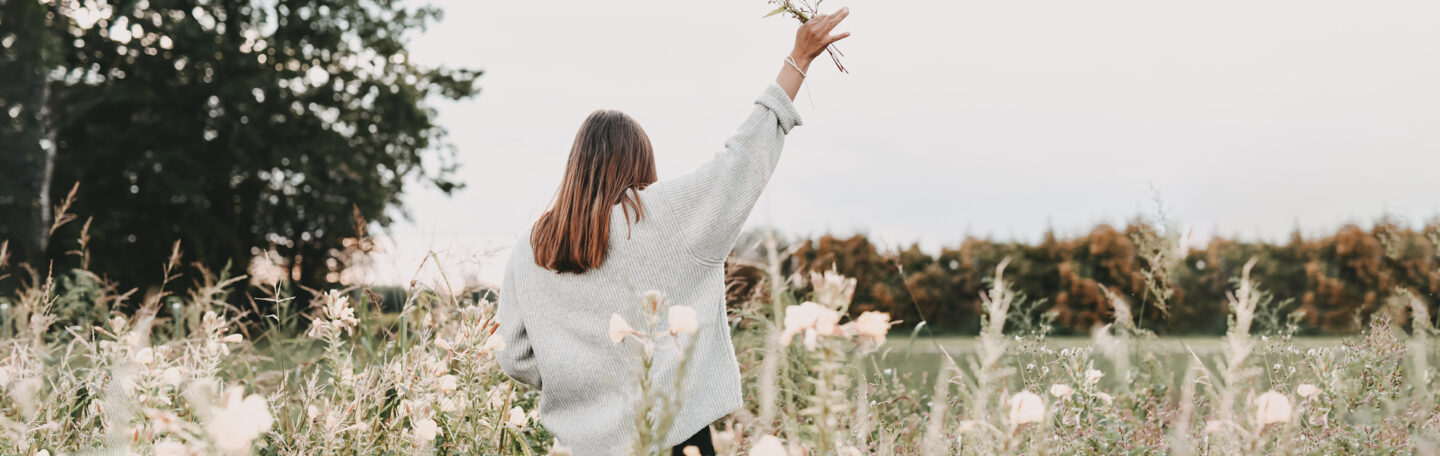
x=29 y=138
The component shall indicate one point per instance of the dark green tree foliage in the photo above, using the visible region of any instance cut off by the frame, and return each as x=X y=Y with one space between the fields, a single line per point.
x=238 y=126
x=1338 y=281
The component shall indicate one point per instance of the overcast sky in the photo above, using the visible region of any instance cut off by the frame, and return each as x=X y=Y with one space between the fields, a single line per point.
x=994 y=118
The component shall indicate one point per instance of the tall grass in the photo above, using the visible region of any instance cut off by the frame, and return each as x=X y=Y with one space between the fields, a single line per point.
x=86 y=368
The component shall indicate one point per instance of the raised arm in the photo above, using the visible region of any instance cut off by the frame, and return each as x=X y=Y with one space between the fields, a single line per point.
x=712 y=202
x=810 y=40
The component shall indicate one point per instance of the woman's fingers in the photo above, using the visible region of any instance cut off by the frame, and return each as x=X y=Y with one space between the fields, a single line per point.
x=833 y=38
x=833 y=20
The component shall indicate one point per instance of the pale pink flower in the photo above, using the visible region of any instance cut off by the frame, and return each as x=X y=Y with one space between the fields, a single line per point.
x=1026 y=407
x=495 y=343
x=810 y=319
x=425 y=429
x=1272 y=407
x=1093 y=376
x=1061 y=390
x=1105 y=398
x=169 y=447
x=1307 y=391
x=449 y=383
x=233 y=339
x=516 y=417
x=872 y=325
x=682 y=320
x=238 y=420
x=619 y=329
x=769 y=446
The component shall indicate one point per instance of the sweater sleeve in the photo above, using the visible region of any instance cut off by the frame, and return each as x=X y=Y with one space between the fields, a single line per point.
x=711 y=203
x=518 y=358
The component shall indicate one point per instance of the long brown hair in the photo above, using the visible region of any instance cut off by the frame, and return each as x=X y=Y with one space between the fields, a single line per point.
x=610 y=162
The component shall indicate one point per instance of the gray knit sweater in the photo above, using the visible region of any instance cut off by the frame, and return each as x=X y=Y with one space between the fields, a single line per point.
x=555 y=326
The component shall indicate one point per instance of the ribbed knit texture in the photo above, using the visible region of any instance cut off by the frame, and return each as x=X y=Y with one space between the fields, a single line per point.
x=556 y=326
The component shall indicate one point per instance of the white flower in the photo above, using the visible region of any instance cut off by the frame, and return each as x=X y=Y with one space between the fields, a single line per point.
x=171 y=376
x=516 y=417
x=495 y=343
x=1307 y=390
x=1026 y=407
x=1272 y=407
x=652 y=299
x=619 y=329
x=42 y=453
x=809 y=319
x=832 y=289
x=169 y=447
x=144 y=356
x=1061 y=390
x=238 y=420
x=1105 y=397
x=682 y=320
x=1092 y=376
x=233 y=339
x=769 y=446
x=449 y=383
x=425 y=429
x=872 y=325
x=447 y=404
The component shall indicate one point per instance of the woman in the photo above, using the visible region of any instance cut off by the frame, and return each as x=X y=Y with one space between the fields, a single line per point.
x=578 y=266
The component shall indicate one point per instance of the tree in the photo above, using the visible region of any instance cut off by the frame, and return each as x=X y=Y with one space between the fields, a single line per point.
x=27 y=139
x=241 y=126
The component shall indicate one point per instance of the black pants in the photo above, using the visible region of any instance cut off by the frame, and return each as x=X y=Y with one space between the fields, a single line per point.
x=700 y=440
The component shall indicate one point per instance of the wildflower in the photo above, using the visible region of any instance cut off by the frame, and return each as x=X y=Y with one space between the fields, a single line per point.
x=425 y=429
x=238 y=420
x=1026 y=407
x=495 y=343
x=143 y=356
x=872 y=325
x=443 y=344
x=169 y=447
x=619 y=329
x=447 y=404
x=1105 y=398
x=682 y=320
x=233 y=339
x=171 y=376
x=449 y=383
x=42 y=453
x=1272 y=407
x=1061 y=390
x=652 y=300
x=769 y=446
x=516 y=417
x=809 y=319
x=1093 y=376
x=1307 y=391
x=832 y=289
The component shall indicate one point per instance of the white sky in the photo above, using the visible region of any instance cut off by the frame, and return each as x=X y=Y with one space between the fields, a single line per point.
x=994 y=118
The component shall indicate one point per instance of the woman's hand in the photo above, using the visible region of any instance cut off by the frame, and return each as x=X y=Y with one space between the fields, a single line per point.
x=814 y=36
x=810 y=40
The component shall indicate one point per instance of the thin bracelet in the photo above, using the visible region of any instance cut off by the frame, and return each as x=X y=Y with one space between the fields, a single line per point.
x=791 y=60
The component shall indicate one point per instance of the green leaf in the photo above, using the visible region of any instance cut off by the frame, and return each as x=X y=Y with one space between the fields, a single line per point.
x=779 y=10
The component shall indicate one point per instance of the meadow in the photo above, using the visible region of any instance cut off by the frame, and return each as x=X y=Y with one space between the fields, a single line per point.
x=88 y=369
